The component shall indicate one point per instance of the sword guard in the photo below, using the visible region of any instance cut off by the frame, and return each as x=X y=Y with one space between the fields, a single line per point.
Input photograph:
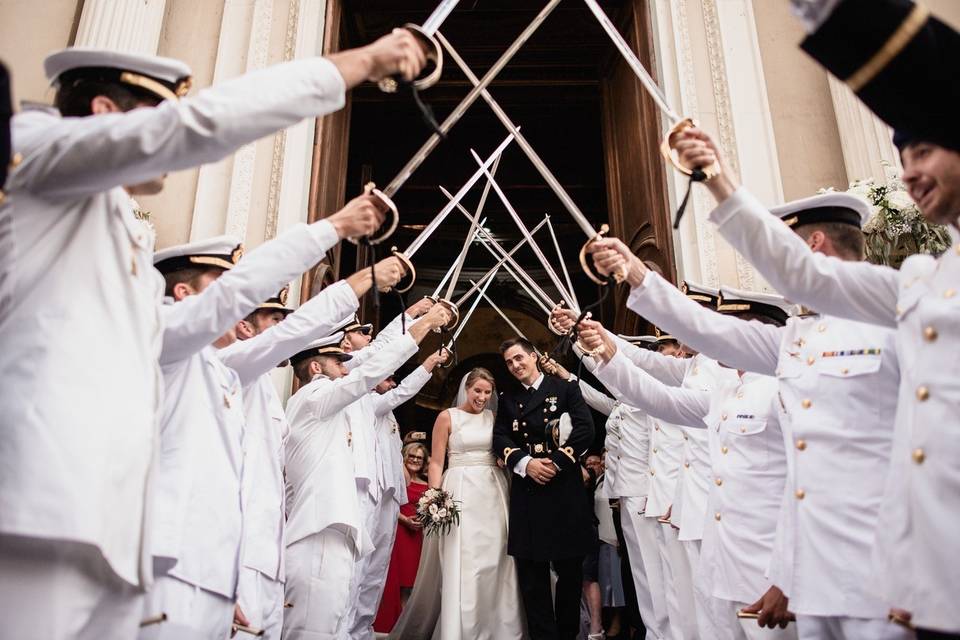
x=588 y=267
x=387 y=228
x=669 y=152
x=455 y=312
x=410 y=277
x=430 y=73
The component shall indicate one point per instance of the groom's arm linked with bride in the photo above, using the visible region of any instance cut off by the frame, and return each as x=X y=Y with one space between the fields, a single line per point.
x=550 y=516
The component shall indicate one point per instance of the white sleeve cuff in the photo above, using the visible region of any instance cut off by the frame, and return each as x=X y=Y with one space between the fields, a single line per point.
x=521 y=467
x=324 y=234
x=737 y=201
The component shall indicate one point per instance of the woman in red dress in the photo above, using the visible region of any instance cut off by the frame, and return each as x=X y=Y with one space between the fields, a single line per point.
x=406 y=549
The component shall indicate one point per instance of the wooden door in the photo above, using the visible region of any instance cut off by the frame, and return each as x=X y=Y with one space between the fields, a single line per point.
x=636 y=178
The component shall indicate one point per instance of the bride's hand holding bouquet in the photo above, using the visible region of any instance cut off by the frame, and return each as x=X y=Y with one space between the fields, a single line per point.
x=437 y=511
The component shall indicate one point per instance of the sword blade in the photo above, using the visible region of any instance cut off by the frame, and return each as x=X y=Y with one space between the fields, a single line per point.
x=633 y=62
x=473 y=307
x=524 y=279
x=493 y=305
x=444 y=9
x=493 y=270
x=430 y=228
x=526 y=234
x=548 y=176
x=461 y=108
x=471 y=233
x=563 y=263
x=449 y=272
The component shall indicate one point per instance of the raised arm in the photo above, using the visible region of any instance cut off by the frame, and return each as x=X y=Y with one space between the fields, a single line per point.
x=346 y=390
x=750 y=346
x=393 y=329
x=638 y=389
x=84 y=156
x=384 y=403
x=856 y=290
x=314 y=319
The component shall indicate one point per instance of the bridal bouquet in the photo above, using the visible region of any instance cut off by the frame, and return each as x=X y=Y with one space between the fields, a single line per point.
x=437 y=511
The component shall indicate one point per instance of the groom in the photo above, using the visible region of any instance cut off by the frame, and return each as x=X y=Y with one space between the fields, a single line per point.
x=550 y=521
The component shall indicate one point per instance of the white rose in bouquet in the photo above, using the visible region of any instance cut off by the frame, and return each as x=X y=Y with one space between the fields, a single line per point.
x=433 y=509
x=442 y=513
x=436 y=517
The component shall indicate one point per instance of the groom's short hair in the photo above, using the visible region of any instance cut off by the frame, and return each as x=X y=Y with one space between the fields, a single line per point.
x=525 y=344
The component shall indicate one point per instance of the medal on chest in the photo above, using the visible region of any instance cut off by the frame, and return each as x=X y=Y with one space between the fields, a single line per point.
x=516 y=426
x=552 y=402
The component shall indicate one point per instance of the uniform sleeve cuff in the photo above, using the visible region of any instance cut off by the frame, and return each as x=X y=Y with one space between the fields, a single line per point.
x=324 y=234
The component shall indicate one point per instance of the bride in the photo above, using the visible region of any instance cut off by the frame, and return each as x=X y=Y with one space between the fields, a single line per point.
x=466 y=585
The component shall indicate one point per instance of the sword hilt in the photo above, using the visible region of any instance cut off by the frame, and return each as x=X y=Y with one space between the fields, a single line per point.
x=550 y=325
x=410 y=275
x=454 y=312
x=389 y=226
x=669 y=152
x=430 y=74
x=590 y=269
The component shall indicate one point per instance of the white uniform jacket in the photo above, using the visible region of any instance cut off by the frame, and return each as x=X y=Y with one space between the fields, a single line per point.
x=666 y=439
x=389 y=444
x=198 y=505
x=627 y=473
x=917 y=548
x=266 y=423
x=747 y=457
x=693 y=486
x=321 y=485
x=79 y=300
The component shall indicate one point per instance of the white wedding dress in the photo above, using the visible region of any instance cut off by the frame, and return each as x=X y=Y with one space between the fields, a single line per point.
x=466 y=584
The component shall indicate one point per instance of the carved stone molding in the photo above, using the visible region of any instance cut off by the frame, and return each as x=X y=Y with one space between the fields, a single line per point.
x=866 y=141
x=130 y=26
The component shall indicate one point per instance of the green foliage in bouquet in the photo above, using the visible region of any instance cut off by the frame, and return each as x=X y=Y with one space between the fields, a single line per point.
x=437 y=511
x=896 y=229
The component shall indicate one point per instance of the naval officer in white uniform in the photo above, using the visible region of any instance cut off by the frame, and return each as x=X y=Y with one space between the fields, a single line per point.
x=74 y=473
x=327 y=531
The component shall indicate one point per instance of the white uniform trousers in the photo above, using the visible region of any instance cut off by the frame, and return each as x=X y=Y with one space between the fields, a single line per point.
x=374 y=568
x=846 y=628
x=63 y=591
x=319 y=573
x=261 y=600
x=368 y=513
x=706 y=622
x=727 y=626
x=192 y=613
x=680 y=598
x=640 y=535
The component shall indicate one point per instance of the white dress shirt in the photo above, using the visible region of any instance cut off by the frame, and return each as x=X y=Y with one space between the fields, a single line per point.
x=79 y=300
x=917 y=548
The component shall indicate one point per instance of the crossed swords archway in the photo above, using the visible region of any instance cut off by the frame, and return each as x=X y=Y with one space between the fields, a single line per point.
x=439 y=49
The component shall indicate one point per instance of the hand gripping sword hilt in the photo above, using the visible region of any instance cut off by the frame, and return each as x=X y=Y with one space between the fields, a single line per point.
x=590 y=269
x=431 y=72
x=389 y=226
x=553 y=328
x=410 y=273
x=669 y=152
x=454 y=314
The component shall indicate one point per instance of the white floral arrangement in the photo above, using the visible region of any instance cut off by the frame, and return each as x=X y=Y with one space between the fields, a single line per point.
x=437 y=511
x=896 y=228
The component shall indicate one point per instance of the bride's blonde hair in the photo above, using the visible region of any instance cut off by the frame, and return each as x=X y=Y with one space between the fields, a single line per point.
x=479 y=373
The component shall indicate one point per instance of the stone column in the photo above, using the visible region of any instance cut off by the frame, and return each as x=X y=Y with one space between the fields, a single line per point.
x=123 y=25
x=866 y=141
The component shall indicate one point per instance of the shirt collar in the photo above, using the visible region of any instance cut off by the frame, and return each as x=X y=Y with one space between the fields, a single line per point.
x=536 y=383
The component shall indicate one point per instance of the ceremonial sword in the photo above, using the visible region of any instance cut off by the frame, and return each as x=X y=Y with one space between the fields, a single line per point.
x=386 y=194
x=551 y=180
x=405 y=256
x=450 y=346
x=443 y=281
x=680 y=123
x=425 y=33
x=526 y=282
x=526 y=234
